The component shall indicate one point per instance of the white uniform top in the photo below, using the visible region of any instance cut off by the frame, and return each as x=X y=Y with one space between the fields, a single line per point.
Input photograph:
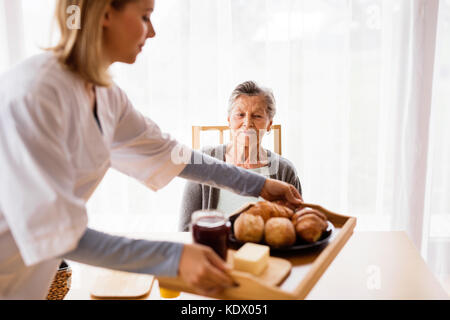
x=53 y=156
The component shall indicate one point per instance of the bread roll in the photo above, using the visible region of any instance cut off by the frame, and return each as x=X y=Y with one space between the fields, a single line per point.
x=268 y=210
x=279 y=232
x=249 y=228
x=310 y=227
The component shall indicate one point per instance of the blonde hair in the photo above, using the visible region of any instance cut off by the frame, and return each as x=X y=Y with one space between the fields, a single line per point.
x=80 y=49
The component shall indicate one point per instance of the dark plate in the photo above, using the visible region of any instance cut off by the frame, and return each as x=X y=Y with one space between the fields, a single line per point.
x=298 y=246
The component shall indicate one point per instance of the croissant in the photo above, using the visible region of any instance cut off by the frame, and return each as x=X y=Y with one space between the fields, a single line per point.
x=310 y=224
x=305 y=211
x=268 y=210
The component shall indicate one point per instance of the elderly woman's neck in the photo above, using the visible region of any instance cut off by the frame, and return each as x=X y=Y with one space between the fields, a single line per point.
x=253 y=156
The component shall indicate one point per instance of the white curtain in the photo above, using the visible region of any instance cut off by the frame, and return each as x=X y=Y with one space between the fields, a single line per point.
x=362 y=95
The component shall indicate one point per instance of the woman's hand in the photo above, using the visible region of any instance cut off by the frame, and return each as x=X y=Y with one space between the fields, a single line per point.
x=201 y=268
x=281 y=192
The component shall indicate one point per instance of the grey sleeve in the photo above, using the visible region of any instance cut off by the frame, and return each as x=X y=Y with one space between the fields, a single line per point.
x=208 y=170
x=191 y=201
x=123 y=254
x=291 y=176
x=296 y=183
x=293 y=179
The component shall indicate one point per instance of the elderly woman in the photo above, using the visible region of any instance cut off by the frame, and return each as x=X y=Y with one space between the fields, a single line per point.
x=250 y=114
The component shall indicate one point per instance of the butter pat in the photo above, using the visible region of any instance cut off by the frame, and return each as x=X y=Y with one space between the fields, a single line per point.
x=252 y=258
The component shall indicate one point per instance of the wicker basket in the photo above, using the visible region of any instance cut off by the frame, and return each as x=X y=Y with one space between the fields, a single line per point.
x=61 y=283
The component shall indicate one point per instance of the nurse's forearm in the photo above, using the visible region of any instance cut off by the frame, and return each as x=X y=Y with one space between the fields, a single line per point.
x=118 y=253
x=208 y=170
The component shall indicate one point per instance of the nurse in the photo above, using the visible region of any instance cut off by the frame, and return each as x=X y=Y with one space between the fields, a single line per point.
x=63 y=123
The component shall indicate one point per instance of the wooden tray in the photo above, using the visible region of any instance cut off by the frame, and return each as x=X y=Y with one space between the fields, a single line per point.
x=307 y=267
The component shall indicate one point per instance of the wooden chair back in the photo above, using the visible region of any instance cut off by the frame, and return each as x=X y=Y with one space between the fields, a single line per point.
x=196 y=131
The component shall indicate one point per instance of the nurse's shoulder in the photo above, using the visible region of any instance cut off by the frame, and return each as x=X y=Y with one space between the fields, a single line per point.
x=36 y=82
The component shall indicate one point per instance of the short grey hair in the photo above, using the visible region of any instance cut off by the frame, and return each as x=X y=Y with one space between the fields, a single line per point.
x=250 y=88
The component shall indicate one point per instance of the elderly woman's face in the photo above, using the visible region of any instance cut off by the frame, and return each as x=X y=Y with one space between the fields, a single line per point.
x=249 y=120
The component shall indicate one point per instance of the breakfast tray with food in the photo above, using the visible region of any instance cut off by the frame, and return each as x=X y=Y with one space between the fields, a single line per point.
x=279 y=227
x=277 y=252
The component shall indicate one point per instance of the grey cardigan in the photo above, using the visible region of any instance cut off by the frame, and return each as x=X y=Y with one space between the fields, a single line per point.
x=198 y=196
